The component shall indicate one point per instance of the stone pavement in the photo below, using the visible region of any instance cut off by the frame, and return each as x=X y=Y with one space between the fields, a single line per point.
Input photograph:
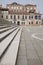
x=31 y=49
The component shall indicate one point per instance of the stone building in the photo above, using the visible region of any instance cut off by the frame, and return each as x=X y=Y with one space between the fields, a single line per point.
x=22 y=14
x=0 y=5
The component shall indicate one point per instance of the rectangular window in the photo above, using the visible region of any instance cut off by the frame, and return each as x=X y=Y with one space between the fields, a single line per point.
x=32 y=17
x=18 y=17
x=2 y=16
x=35 y=17
x=25 y=17
x=11 y=17
x=29 y=17
x=14 y=16
x=23 y=22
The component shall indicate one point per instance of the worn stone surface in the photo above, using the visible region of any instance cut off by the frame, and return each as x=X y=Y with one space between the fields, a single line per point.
x=31 y=49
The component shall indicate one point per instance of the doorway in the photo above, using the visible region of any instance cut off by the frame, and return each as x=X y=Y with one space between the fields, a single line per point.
x=18 y=23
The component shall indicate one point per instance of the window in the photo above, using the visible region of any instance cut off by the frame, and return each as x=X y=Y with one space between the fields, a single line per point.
x=2 y=16
x=23 y=22
x=32 y=22
x=14 y=22
x=35 y=17
x=29 y=22
x=25 y=17
x=18 y=23
x=18 y=17
x=32 y=17
x=14 y=16
x=36 y=22
x=29 y=17
x=11 y=16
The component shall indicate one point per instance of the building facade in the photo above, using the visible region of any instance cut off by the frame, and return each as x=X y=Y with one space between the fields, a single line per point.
x=21 y=14
x=0 y=5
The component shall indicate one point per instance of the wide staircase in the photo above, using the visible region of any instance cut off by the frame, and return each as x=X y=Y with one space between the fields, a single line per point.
x=9 y=43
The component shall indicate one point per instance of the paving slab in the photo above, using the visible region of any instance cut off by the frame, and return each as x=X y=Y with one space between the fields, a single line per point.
x=31 y=48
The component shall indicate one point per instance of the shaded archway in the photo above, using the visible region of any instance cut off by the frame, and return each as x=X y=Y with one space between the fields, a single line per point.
x=36 y=22
x=18 y=23
x=32 y=22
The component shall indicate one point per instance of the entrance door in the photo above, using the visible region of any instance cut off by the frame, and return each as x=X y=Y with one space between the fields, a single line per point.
x=18 y=23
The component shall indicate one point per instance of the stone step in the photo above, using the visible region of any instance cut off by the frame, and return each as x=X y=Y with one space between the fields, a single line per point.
x=10 y=56
x=5 y=34
x=6 y=26
x=5 y=29
x=6 y=43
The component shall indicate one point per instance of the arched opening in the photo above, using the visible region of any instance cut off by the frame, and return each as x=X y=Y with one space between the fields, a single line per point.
x=29 y=22
x=36 y=22
x=18 y=23
x=32 y=22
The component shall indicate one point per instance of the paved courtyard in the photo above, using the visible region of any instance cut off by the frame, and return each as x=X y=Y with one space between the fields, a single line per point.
x=31 y=46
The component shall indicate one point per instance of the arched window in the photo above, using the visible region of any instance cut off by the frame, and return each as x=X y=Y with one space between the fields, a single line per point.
x=36 y=22
x=32 y=22
x=29 y=22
